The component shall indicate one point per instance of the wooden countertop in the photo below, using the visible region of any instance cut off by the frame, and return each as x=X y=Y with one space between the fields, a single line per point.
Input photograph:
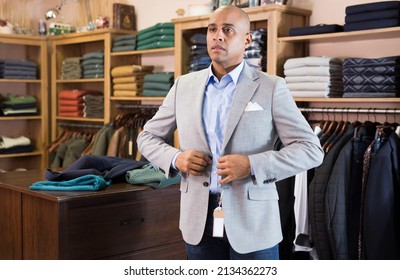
x=21 y=180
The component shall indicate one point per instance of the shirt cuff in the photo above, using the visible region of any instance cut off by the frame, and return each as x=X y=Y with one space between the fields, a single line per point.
x=174 y=159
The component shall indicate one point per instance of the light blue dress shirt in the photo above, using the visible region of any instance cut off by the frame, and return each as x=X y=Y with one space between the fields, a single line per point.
x=217 y=101
x=218 y=98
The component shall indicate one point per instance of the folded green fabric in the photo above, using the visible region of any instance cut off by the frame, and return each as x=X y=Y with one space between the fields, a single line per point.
x=96 y=54
x=154 y=93
x=124 y=48
x=160 y=25
x=12 y=99
x=160 y=77
x=125 y=37
x=148 y=175
x=131 y=42
x=154 y=33
x=156 y=45
x=83 y=183
x=157 y=86
x=152 y=39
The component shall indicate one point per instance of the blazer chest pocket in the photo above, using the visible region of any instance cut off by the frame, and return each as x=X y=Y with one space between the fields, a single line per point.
x=256 y=120
x=260 y=193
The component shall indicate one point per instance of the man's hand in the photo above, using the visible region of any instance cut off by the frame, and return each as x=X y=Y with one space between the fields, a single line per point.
x=192 y=162
x=232 y=167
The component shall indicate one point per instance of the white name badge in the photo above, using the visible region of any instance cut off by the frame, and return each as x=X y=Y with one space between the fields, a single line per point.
x=218 y=227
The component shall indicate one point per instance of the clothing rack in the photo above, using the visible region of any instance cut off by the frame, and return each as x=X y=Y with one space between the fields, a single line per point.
x=351 y=110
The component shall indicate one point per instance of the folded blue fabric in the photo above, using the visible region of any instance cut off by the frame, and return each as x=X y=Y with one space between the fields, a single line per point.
x=384 y=14
x=83 y=183
x=316 y=29
x=371 y=24
x=371 y=7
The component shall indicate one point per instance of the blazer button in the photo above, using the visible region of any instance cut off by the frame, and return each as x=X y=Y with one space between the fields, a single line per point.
x=205 y=184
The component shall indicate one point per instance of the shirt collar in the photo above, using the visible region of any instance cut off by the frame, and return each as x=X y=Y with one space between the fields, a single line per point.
x=234 y=74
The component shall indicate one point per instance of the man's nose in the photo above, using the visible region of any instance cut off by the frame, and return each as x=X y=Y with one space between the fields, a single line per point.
x=218 y=36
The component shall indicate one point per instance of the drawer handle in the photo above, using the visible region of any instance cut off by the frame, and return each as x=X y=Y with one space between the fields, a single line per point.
x=131 y=222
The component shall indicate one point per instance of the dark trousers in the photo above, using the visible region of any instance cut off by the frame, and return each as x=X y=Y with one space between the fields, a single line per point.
x=214 y=248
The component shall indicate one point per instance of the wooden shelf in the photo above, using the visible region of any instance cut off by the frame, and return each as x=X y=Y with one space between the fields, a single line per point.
x=22 y=118
x=382 y=33
x=96 y=80
x=36 y=153
x=79 y=119
x=35 y=127
x=348 y=100
x=20 y=81
x=136 y=98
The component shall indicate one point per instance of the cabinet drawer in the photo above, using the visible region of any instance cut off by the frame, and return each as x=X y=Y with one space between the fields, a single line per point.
x=107 y=230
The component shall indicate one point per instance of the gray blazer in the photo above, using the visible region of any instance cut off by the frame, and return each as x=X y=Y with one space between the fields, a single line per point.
x=251 y=208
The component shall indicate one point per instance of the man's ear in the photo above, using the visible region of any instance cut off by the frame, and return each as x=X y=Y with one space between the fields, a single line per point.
x=249 y=39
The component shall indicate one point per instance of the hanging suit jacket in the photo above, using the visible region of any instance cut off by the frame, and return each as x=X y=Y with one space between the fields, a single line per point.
x=252 y=220
x=381 y=230
x=336 y=208
x=317 y=198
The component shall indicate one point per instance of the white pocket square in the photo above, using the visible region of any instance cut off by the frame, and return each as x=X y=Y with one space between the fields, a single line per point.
x=253 y=107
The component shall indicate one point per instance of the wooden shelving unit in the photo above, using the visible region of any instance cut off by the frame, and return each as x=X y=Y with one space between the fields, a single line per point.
x=74 y=45
x=33 y=48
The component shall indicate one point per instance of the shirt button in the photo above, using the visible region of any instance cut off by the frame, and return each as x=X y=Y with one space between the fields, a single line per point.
x=205 y=184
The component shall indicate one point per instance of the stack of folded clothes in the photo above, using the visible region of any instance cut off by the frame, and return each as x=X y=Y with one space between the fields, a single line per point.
x=255 y=54
x=158 y=84
x=93 y=105
x=128 y=79
x=18 y=105
x=371 y=77
x=11 y=145
x=314 y=76
x=93 y=65
x=71 y=68
x=160 y=35
x=18 y=69
x=372 y=15
x=71 y=103
x=315 y=29
x=124 y=43
x=199 y=58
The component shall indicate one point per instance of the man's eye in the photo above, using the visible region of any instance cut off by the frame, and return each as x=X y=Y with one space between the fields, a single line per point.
x=227 y=30
x=211 y=29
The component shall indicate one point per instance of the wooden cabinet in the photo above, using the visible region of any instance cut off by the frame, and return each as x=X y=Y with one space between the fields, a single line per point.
x=32 y=48
x=121 y=222
x=277 y=19
x=375 y=109
x=76 y=45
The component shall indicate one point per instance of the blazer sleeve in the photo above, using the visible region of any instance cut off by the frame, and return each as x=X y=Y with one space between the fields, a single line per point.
x=151 y=141
x=302 y=149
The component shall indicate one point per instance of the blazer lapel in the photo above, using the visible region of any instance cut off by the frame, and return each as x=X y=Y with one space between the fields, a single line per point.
x=245 y=90
x=198 y=87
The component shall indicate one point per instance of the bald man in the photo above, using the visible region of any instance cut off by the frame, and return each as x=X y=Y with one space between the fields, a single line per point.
x=228 y=117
